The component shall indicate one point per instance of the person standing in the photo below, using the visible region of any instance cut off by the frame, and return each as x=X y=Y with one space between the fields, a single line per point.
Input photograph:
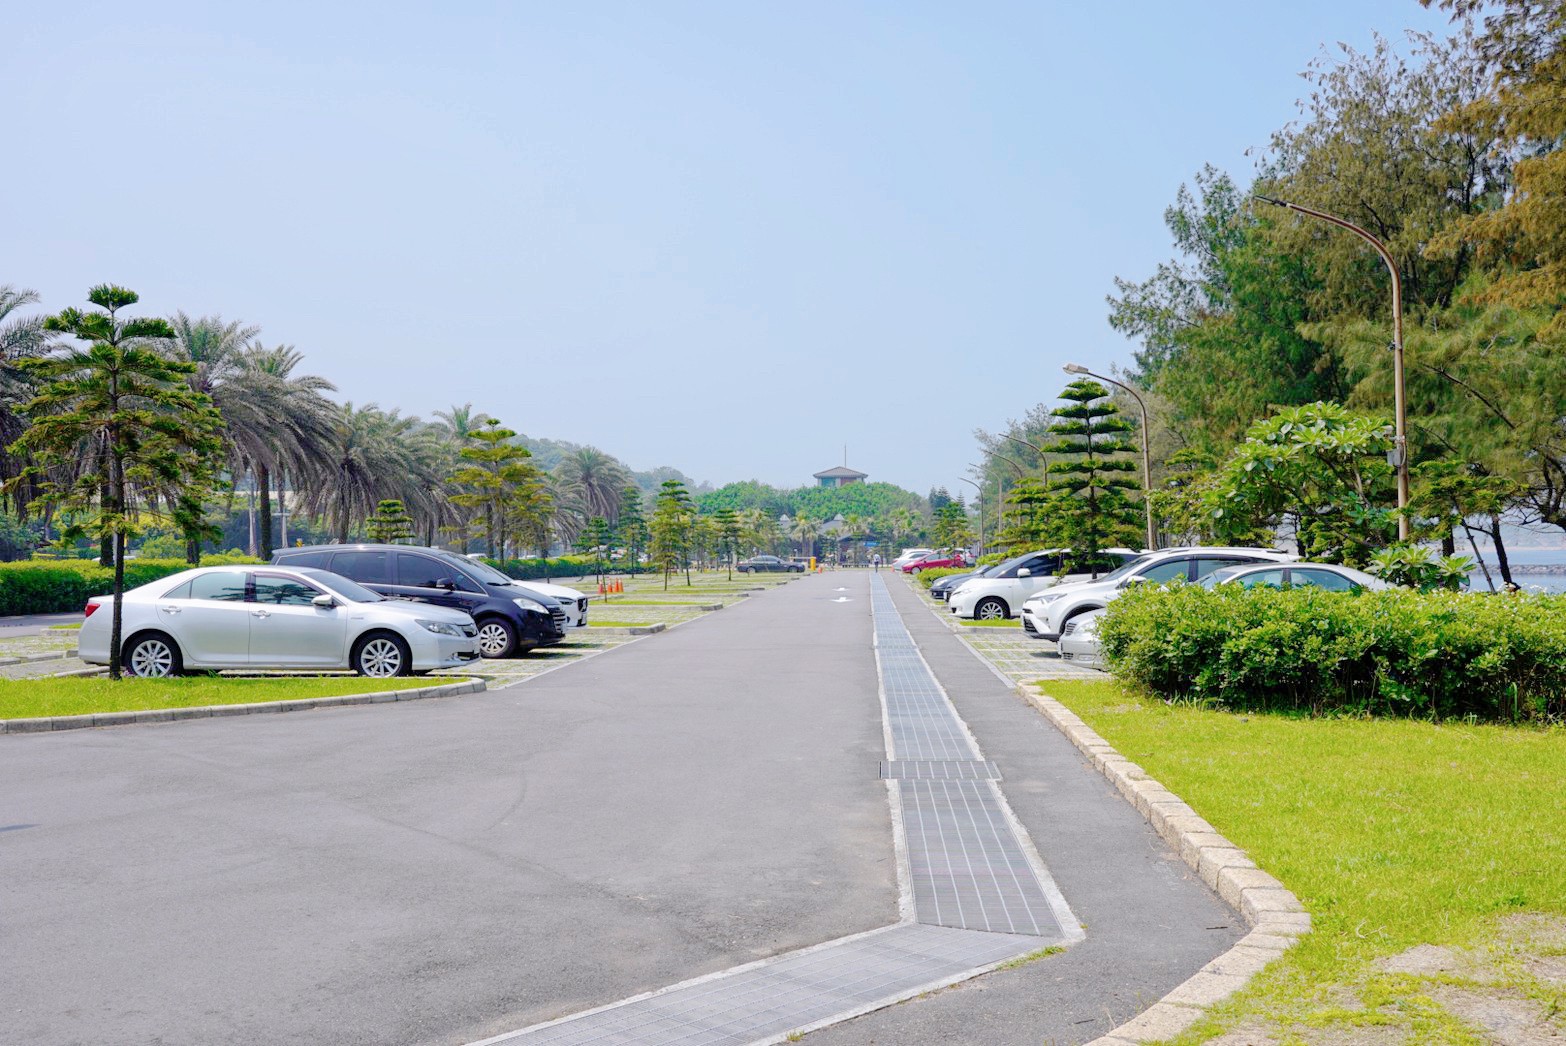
x=875 y=560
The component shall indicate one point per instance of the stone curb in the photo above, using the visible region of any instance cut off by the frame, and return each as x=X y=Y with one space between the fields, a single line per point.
x=27 y=659
x=48 y=724
x=1276 y=917
x=623 y=630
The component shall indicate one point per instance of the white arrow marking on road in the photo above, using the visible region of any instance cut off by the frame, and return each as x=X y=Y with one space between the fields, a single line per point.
x=842 y=599
x=840 y=590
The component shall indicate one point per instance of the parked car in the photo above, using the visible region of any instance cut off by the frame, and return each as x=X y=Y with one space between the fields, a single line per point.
x=1079 y=641
x=935 y=561
x=511 y=618
x=275 y=617
x=942 y=588
x=1046 y=614
x=1328 y=576
x=759 y=564
x=908 y=555
x=1002 y=593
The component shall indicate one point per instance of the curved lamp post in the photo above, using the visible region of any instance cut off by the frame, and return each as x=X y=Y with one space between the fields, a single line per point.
x=1147 y=461
x=1400 y=437
x=1033 y=447
x=980 y=489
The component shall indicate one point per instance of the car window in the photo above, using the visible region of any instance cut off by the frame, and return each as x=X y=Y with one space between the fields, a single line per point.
x=302 y=559
x=1168 y=571
x=223 y=586
x=284 y=591
x=342 y=586
x=179 y=591
x=1263 y=579
x=463 y=570
x=1043 y=564
x=368 y=568
x=1324 y=579
x=1207 y=565
x=423 y=571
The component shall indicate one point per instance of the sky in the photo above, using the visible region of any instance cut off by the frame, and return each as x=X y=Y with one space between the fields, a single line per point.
x=728 y=238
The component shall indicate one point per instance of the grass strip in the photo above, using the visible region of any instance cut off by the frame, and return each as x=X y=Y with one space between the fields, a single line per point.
x=993 y=623
x=29 y=698
x=1392 y=833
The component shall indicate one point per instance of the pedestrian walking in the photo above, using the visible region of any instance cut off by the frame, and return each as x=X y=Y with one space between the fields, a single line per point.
x=875 y=560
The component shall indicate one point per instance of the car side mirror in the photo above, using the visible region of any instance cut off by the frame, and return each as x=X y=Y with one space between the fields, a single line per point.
x=1135 y=579
x=1024 y=572
x=324 y=601
x=446 y=583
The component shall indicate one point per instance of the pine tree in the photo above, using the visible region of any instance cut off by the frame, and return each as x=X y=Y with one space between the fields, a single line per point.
x=671 y=526
x=632 y=526
x=1089 y=509
x=390 y=524
x=728 y=525
x=1028 y=518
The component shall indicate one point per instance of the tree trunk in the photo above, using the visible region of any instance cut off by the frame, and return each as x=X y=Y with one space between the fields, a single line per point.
x=264 y=479
x=193 y=551
x=1501 y=561
x=1448 y=544
x=105 y=541
x=117 y=554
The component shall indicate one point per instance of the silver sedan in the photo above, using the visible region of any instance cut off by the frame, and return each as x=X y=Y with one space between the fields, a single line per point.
x=275 y=617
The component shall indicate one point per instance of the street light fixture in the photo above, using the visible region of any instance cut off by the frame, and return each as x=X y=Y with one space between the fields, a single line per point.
x=1399 y=453
x=1147 y=459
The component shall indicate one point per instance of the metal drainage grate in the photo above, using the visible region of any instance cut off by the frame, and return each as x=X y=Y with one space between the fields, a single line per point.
x=939 y=770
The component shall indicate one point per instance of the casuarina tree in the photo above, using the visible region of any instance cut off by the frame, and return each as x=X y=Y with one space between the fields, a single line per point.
x=1089 y=508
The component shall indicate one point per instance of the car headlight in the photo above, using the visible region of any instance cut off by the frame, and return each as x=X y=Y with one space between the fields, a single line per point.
x=530 y=607
x=1046 y=598
x=443 y=628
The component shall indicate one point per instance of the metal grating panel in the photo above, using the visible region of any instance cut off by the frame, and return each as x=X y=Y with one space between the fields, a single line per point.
x=939 y=770
x=794 y=991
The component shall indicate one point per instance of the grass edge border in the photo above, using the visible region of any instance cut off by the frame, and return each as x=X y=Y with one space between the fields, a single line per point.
x=49 y=724
x=1275 y=916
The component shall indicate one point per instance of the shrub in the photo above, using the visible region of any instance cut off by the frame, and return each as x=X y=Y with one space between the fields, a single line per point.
x=1433 y=655
x=934 y=574
x=537 y=569
x=60 y=586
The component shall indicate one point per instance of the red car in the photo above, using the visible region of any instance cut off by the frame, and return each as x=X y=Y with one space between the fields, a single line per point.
x=936 y=560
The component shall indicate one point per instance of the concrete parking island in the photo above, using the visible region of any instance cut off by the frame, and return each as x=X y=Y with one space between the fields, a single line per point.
x=975 y=894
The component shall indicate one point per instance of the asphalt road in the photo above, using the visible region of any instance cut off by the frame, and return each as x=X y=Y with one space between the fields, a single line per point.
x=440 y=871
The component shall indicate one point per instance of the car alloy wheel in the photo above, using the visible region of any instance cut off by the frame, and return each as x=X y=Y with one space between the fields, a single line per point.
x=494 y=639
x=381 y=657
x=989 y=610
x=151 y=658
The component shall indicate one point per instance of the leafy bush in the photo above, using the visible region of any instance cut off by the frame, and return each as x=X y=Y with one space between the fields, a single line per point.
x=1434 y=655
x=60 y=586
x=538 y=569
x=1417 y=567
x=934 y=574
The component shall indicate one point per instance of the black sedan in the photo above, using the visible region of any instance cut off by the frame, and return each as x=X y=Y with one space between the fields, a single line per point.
x=759 y=563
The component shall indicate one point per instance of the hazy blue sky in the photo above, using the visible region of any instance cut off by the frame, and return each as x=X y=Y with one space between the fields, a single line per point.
x=725 y=237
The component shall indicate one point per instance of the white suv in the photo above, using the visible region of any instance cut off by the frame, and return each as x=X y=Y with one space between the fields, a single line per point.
x=1000 y=593
x=1045 y=615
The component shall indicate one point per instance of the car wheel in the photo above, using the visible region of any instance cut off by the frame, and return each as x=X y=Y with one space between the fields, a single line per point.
x=382 y=655
x=152 y=656
x=990 y=609
x=497 y=637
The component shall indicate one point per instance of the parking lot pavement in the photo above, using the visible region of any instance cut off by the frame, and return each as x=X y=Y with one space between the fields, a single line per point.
x=438 y=871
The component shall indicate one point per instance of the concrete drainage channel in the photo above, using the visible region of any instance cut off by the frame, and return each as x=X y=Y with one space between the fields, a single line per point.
x=974 y=895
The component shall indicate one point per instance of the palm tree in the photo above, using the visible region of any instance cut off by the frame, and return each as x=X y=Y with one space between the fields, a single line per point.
x=461 y=422
x=21 y=338
x=376 y=455
x=302 y=423
x=804 y=531
x=593 y=480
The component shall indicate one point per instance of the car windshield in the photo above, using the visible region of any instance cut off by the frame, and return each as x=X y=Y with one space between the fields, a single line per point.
x=1221 y=575
x=349 y=590
x=476 y=569
x=1125 y=568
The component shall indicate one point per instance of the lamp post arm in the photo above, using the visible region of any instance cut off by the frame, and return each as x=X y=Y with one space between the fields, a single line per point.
x=1399 y=399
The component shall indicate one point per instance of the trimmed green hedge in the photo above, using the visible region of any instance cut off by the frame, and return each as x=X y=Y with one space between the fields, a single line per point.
x=61 y=586
x=539 y=569
x=934 y=574
x=1396 y=653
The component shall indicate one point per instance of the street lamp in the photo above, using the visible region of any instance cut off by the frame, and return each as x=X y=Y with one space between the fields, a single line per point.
x=1147 y=460
x=1033 y=447
x=1400 y=437
x=980 y=489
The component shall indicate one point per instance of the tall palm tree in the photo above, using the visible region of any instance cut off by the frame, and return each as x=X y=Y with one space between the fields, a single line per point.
x=377 y=455
x=593 y=480
x=460 y=421
x=21 y=338
x=302 y=423
x=804 y=531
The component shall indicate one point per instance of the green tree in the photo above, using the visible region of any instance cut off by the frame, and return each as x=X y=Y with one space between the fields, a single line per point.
x=592 y=479
x=632 y=526
x=952 y=529
x=390 y=524
x=729 y=529
x=1028 y=517
x=119 y=394
x=597 y=539
x=1089 y=479
x=496 y=481
x=671 y=529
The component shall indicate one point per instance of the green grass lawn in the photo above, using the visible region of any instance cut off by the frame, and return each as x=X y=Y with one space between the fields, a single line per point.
x=26 y=698
x=1391 y=833
x=1000 y=622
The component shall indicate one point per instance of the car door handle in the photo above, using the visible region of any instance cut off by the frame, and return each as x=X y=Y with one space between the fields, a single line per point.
x=169 y=610
x=260 y=613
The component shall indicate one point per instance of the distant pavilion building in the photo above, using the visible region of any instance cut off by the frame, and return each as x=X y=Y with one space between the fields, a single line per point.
x=839 y=476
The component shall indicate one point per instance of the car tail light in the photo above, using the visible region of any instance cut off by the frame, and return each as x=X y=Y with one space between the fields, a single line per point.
x=91 y=606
